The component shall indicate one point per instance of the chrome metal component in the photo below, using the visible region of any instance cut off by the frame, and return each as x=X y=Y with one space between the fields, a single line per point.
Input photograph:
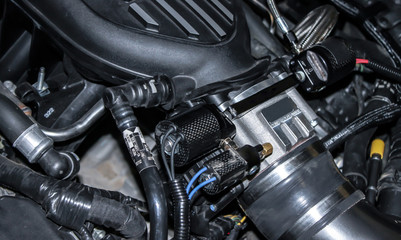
x=282 y=24
x=41 y=85
x=251 y=91
x=32 y=143
x=300 y=76
x=41 y=78
x=253 y=170
x=302 y=204
x=79 y=127
x=10 y=86
x=98 y=234
x=253 y=128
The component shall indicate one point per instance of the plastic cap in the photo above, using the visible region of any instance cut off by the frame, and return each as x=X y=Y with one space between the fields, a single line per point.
x=377 y=147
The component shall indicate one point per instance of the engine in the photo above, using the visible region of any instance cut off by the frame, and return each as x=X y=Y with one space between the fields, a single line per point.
x=200 y=119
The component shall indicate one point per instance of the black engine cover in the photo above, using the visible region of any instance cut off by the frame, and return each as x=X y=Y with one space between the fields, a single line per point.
x=194 y=42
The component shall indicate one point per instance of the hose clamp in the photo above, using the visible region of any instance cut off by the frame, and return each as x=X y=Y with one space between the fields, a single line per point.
x=32 y=143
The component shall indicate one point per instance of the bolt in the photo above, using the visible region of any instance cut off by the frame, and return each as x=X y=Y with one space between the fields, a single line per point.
x=10 y=86
x=213 y=208
x=253 y=170
x=300 y=76
x=41 y=78
x=98 y=234
x=313 y=123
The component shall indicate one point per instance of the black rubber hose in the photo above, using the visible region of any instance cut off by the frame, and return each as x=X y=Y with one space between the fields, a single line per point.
x=13 y=121
x=144 y=163
x=70 y=204
x=373 y=118
x=17 y=128
x=181 y=209
x=389 y=187
x=354 y=167
x=122 y=218
x=119 y=197
x=373 y=175
x=356 y=147
x=358 y=12
x=157 y=203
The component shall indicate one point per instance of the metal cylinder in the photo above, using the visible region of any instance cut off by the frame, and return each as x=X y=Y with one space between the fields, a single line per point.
x=308 y=198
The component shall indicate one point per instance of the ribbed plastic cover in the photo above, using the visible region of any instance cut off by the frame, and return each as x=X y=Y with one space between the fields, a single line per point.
x=196 y=43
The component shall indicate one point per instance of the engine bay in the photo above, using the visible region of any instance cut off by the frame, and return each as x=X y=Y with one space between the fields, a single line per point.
x=200 y=119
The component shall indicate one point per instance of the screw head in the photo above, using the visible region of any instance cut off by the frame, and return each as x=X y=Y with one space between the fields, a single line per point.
x=253 y=170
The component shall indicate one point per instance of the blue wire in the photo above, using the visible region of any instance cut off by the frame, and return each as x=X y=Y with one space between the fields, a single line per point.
x=193 y=179
x=200 y=186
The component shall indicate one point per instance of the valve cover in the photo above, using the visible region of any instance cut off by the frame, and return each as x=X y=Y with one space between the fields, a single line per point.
x=196 y=43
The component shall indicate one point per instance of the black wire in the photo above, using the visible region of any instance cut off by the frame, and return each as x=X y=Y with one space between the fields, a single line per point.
x=172 y=156
x=388 y=72
x=162 y=149
x=372 y=118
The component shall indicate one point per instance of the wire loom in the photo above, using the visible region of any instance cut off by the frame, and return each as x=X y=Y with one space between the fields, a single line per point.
x=377 y=116
x=71 y=204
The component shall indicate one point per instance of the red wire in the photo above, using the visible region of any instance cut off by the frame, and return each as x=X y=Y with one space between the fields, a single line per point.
x=362 y=61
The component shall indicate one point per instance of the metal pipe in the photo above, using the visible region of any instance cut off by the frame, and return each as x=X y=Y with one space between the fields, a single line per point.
x=310 y=199
x=79 y=127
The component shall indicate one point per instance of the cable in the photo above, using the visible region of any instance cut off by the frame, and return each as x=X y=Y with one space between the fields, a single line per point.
x=388 y=72
x=193 y=179
x=282 y=25
x=201 y=185
x=162 y=143
x=361 y=61
x=372 y=118
x=172 y=156
x=242 y=221
x=181 y=209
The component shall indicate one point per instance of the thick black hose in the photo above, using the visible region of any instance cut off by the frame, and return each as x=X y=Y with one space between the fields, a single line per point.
x=389 y=187
x=373 y=175
x=181 y=209
x=120 y=217
x=13 y=121
x=356 y=147
x=119 y=197
x=17 y=128
x=144 y=163
x=157 y=203
x=373 y=118
x=70 y=204
x=360 y=13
